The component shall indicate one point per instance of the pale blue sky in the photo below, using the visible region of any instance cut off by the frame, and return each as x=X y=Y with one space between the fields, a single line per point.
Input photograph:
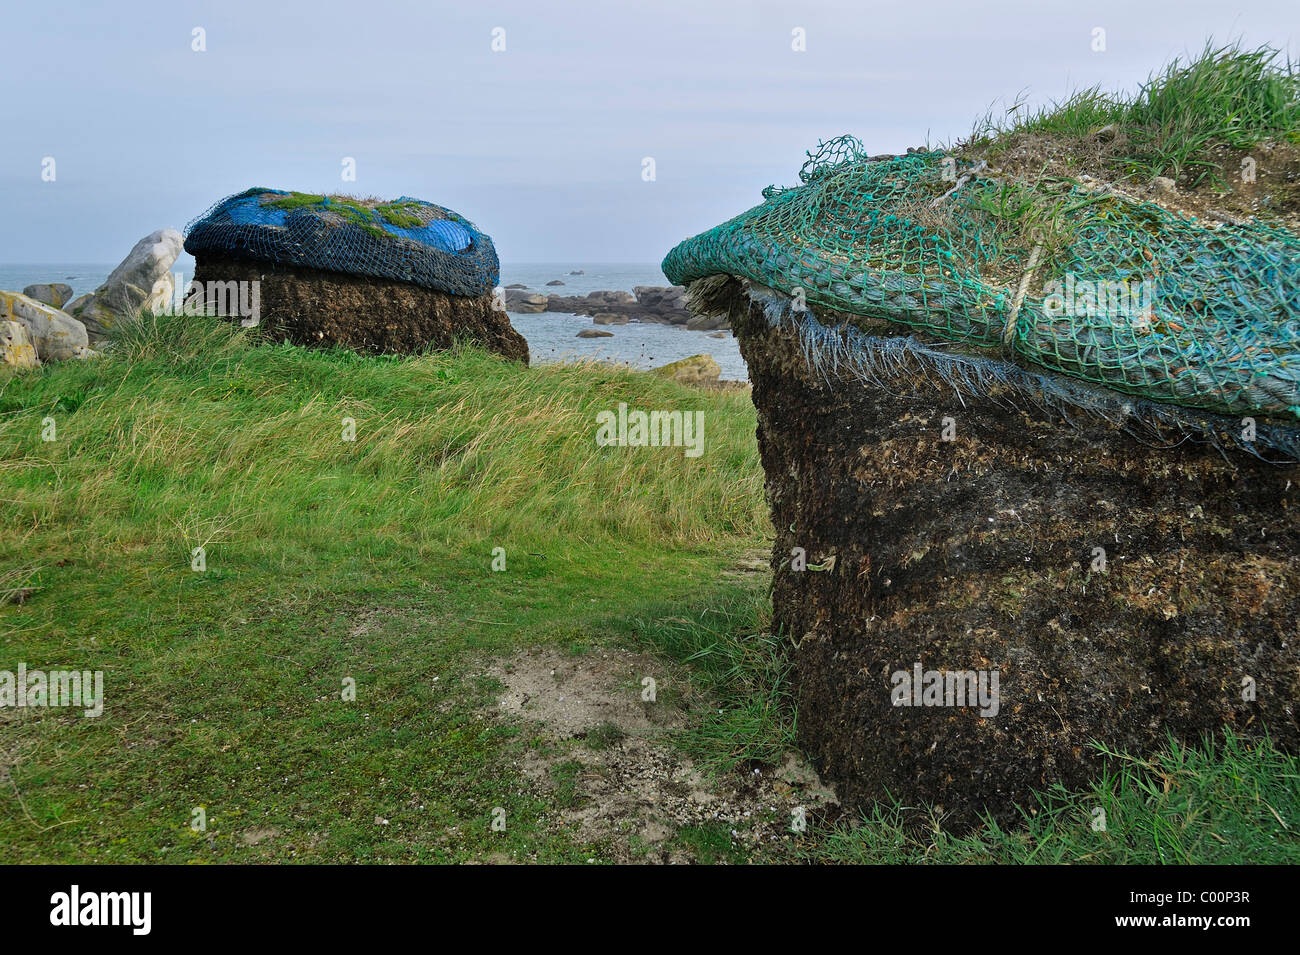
x=542 y=144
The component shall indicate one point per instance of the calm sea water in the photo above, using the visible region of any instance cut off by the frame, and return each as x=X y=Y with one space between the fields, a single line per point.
x=552 y=336
x=81 y=276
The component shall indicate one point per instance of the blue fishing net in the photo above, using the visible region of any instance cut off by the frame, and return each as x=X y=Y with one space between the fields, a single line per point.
x=408 y=240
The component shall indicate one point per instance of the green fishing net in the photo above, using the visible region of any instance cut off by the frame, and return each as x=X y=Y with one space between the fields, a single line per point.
x=1084 y=281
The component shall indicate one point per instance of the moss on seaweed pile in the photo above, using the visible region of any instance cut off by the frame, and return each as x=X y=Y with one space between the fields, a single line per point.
x=364 y=213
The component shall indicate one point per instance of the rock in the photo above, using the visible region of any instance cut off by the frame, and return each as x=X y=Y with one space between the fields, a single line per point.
x=717 y=334
x=367 y=314
x=569 y=304
x=659 y=298
x=16 y=348
x=54 y=334
x=578 y=272
x=666 y=302
x=698 y=370
x=705 y=323
x=1163 y=185
x=594 y=333
x=1106 y=134
x=77 y=304
x=554 y=282
x=611 y=298
x=56 y=294
x=665 y=306
x=525 y=303
x=143 y=282
x=164 y=290
x=515 y=285
x=609 y=318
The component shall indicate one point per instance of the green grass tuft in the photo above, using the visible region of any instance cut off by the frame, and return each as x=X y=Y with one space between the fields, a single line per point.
x=354 y=211
x=1227 y=803
x=1225 y=96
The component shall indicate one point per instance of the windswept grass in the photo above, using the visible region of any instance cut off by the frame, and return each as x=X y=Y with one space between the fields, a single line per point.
x=188 y=418
x=1225 y=96
x=326 y=559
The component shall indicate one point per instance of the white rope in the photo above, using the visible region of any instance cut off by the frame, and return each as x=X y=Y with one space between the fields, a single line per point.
x=966 y=177
x=1009 y=330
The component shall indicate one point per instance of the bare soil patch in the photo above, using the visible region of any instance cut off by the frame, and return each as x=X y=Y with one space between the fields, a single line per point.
x=617 y=781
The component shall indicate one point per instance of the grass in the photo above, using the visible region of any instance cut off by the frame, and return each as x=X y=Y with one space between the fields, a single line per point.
x=359 y=212
x=326 y=559
x=295 y=200
x=1225 y=96
x=399 y=214
x=604 y=735
x=332 y=563
x=737 y=659
x=1229 y=803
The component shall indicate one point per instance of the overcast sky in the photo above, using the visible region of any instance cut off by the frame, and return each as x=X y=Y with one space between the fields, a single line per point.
x=541 y=144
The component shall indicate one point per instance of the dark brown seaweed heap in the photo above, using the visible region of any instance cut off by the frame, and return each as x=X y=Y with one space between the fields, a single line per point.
x=1124 y=588
x=316 y=307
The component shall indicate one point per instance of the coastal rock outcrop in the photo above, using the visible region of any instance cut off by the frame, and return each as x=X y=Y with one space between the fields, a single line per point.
x=665 y=306
x=706 y=323
x=56 y=294
x=16 y=348
x=141 y=283
x=53 y=334
x=524 y=302
x=697 y=370
x=77 y=304
x=661 y=300
x=589 y=304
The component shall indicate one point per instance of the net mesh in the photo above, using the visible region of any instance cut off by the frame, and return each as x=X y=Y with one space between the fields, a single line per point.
x=408 y=240
x=1090 y=283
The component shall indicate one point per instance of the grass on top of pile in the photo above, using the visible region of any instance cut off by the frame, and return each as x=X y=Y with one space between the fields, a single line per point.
x=1224 y=124
x=1224 y=96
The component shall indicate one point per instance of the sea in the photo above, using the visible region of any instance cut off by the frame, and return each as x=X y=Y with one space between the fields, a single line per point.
x=552 y=336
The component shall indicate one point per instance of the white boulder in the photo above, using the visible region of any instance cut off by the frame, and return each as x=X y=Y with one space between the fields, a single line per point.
x=54 y=334
x=143 y=282
x=16 y=349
